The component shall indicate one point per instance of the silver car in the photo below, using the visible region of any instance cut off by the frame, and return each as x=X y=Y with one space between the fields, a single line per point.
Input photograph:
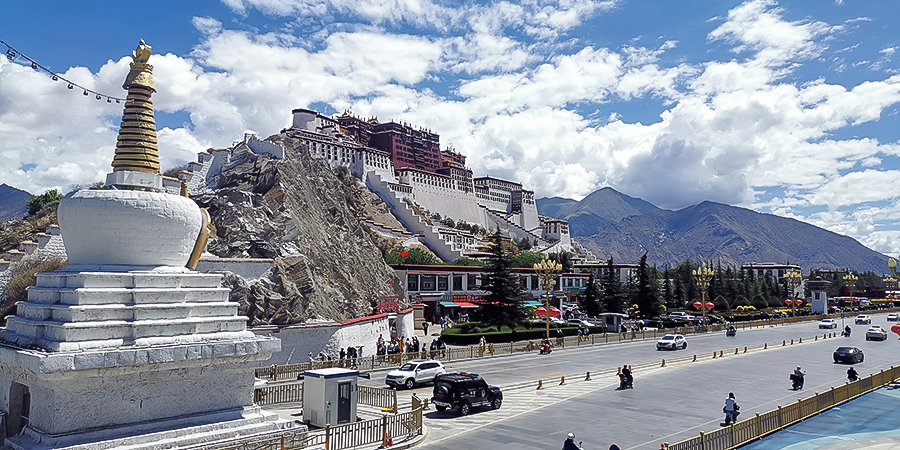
x=671 y=342
x=414 y=372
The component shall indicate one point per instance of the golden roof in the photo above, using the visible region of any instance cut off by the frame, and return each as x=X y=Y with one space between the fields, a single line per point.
x=137 y=148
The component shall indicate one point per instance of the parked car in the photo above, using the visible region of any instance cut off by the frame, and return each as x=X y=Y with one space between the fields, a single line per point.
x=414 y=372
x=678 y=315
x=579 y=323
x=828 y=323
x=848 y=355
x=875 y=332
x=863 y=319
x=464 y=391
x=671 y=342
x=893 y=317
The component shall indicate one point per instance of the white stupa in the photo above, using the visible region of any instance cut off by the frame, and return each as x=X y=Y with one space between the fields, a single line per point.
x=126 y=347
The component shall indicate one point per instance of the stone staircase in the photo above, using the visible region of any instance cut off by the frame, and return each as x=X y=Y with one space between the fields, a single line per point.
x=511 y=229
x=46 y=244
x=429 y=236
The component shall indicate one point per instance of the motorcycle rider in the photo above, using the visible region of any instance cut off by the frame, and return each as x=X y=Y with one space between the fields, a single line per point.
x=569 y=444
x=847 y=331
x=852 y=375
x=797 y=378
x=627 y=380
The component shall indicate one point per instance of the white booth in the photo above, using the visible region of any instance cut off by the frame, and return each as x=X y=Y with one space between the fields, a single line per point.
x=329 y=396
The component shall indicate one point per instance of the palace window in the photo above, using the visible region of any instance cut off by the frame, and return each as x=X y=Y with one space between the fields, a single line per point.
x=457 y=283
x=428 y=284
x=412 y=282
x=442 y=282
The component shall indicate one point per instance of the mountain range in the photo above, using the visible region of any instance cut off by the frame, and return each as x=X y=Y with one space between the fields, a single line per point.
x=611 y=224
x=12 y=203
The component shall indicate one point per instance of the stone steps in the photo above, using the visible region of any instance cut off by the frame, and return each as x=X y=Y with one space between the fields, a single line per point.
x=92 y=313
x=123 y=330
x=126 y=296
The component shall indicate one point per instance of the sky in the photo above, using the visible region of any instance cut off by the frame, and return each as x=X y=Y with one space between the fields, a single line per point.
x=787 y=107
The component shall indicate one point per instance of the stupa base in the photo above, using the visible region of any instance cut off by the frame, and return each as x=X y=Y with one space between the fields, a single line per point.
x=205 y=430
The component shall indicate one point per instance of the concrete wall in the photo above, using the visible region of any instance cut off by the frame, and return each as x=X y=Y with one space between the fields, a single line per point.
x=298 y=341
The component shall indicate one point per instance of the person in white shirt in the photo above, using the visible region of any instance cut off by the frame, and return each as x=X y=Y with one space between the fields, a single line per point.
x=730 y=409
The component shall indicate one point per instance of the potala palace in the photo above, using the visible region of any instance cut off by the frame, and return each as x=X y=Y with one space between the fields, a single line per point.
x=403 y=166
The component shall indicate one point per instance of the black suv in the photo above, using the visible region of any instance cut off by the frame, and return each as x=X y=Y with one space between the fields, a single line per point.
x=464 y=391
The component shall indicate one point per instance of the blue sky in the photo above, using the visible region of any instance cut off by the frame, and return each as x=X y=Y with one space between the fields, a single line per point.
x=786 y=107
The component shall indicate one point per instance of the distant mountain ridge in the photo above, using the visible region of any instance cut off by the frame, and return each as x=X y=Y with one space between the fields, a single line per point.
x=611 y=224
x=12 y=203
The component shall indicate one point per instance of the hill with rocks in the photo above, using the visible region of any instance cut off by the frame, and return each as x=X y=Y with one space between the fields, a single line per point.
x=611 y=224
x=307 y=217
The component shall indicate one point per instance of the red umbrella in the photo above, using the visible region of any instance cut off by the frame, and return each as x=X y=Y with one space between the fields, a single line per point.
x=541 y=311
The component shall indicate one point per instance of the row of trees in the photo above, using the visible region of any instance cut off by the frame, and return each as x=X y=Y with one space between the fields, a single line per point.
x=646 y=293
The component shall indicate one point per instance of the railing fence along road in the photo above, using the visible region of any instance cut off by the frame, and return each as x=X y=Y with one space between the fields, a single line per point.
x=740 y=433
x=386 y=399
x=293 y=371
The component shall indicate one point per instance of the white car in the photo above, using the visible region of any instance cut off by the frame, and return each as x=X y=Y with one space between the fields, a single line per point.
x=893 y=317
x=579 y=323
x=863 y=319
x=828 y=323
x=671 y=342
x=876 y=333
x=415 y=371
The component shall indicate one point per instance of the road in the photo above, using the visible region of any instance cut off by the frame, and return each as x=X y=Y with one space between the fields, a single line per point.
x=668 y=403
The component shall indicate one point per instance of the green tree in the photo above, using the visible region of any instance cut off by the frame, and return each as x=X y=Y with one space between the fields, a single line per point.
x=647 y=290
x=611 y=290
x=467 y=262
x=590 y=301
x=38 y=202
x=564 y=259
x=413 y=255
x=525 y=259
x=503 y=302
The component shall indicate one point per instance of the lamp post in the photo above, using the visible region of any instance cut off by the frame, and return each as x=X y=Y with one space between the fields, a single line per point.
x=850 y=279
x=892 y=264
x=547 y=271
x=793 y=280
x=703 y=275
x=890 y=282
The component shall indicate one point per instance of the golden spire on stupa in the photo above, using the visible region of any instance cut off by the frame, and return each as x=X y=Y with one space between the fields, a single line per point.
x=136 y=147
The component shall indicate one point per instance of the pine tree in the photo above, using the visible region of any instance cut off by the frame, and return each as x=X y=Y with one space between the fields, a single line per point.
x=590 y=301
x=611 y=290
x=647 y=290
x=503 y=302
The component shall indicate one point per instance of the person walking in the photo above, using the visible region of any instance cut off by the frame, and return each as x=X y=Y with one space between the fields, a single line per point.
x=731 y=409
x=425 y=328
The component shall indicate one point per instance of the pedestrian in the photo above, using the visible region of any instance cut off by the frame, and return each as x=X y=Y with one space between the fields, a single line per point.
x=343 y=356
x=731 y=409
x=442 y=322
x=311 y=358
x=425 y=328
x=482 y=343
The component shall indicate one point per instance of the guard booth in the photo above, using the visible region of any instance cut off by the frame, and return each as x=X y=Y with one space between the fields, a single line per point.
x=612 y=322
x=329 y=396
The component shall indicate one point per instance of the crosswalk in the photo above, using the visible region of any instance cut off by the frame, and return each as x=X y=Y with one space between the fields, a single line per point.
x=518 y=400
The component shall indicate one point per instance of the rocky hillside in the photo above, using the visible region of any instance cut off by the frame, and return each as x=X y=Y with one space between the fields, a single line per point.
x=307 y=217
x=615 y=225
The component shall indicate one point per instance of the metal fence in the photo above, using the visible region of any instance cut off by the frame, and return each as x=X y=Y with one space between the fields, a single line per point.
x=386 y=430
x=293 y=371
x=740 y=433
x=386 y=399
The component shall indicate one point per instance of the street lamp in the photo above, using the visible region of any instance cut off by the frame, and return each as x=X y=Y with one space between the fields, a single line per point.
x=793 y=280
x=547 y=270
x=703 y=275
x=892 y=264
x=889 y=282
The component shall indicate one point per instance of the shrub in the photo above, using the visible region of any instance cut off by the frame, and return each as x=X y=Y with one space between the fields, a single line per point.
x=23 y=275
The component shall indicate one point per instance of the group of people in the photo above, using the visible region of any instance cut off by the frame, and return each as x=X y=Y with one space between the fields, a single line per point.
x=397 y=345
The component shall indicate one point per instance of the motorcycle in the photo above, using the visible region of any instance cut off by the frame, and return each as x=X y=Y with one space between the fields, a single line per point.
x=797 y=381
x=731 y=332
x=546 y=348
x=845 y=333
x=626 y=381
